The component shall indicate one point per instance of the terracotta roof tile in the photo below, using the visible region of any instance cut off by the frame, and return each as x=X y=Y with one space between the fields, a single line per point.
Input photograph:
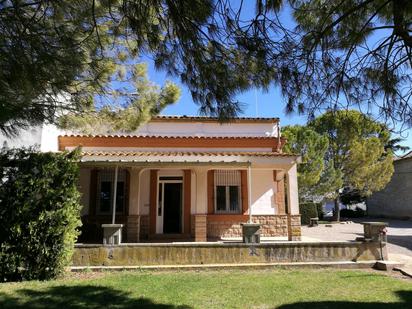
x=214 y=119
x=167 y=136
x=183 y=153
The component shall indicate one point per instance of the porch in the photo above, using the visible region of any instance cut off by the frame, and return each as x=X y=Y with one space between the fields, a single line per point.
x=165 y=197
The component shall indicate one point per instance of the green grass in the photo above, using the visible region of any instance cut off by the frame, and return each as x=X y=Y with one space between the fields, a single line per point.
x=224 y=289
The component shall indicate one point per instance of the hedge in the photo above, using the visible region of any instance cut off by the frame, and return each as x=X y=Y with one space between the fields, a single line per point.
x=310 y=210
x=39 y=213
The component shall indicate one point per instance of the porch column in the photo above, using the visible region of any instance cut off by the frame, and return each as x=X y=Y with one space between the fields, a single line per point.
x=116 y=172
x=249 y=191
x=201 y=206
x=294 y=231
x=153 y=202
x=133 y=219
x=200 y=228
x=279 y=179
x=187 y=200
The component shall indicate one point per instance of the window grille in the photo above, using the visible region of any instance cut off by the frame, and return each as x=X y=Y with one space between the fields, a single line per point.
x=227 y=191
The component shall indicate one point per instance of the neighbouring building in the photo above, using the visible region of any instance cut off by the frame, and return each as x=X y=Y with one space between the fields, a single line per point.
x=182 y=177
x=42 y=136
x=395 y=200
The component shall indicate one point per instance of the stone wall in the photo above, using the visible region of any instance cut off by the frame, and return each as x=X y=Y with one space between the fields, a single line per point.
x=216 y=226
x=226 y=253
x=219 y=226
x=294 y=228
x=272 y=226
x=133 y=228
x=395 y=200
x=200 y=228
x=144 y=226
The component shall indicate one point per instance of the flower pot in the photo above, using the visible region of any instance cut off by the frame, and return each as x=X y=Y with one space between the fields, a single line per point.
x=375 y=231
x=251 y=233
x=112 y=234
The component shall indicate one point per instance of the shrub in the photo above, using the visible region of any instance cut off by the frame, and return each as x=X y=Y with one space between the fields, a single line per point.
x=39 y=213
x=319 y=208
x=307 y=211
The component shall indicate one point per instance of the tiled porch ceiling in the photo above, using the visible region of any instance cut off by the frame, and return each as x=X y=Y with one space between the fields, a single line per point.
x=184 y=157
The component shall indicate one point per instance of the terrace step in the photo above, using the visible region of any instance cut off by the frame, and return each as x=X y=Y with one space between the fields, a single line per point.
x=169 y=237
x=388 y=265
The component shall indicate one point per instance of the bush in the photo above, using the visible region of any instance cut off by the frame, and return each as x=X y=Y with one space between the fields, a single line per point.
x=349 y=213
x=309 y=210
x=319 y=208
x=39 y=213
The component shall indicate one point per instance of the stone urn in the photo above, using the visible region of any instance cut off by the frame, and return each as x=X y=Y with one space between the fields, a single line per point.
x=251 y=233
x=112 y=234
x=375 y=231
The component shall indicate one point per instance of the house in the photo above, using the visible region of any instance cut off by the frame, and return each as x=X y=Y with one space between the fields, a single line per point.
x=395 y=200
x=188 y=178
x=42 y=136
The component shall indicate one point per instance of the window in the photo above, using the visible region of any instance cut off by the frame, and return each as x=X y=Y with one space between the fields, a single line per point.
x=105 y=191
x=105 y=196
x=227 y=191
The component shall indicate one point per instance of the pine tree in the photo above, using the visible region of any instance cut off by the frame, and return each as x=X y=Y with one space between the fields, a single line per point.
x=119 y=115
x=67 y=55
x=315 y=177
x=357 y=150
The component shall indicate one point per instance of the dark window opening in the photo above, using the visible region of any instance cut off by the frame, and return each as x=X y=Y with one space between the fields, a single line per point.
x=105 y=196
x=220 y=198
x=105 y=191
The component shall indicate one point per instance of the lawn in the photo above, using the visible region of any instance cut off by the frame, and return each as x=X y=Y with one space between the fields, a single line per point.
x=212 y=289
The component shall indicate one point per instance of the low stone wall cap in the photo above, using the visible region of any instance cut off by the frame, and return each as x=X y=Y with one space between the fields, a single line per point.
x=112 y=225
x=375 y=223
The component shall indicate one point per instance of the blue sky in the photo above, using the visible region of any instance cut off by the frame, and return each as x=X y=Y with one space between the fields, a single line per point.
x=256 y=102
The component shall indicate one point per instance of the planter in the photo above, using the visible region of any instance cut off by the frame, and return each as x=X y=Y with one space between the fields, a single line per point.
x=375 y=231
x=251 y=233
x=112 y=234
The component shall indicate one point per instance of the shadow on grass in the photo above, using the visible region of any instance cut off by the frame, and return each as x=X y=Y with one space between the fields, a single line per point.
x=65 y=297
x=406 y=302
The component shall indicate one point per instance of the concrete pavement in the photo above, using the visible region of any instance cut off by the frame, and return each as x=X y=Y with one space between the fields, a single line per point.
x=399 y=236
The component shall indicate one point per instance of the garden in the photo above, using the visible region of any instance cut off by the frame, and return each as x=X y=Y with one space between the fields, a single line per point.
x=277 y=288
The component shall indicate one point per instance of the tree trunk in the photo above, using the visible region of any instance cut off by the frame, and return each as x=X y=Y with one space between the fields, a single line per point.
x=336 y=216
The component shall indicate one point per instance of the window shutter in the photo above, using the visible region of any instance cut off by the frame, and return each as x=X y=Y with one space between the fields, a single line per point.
x=245 y=194
x=187 y=186
x=153 y=201
x=210 y=191
x=93 y=192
